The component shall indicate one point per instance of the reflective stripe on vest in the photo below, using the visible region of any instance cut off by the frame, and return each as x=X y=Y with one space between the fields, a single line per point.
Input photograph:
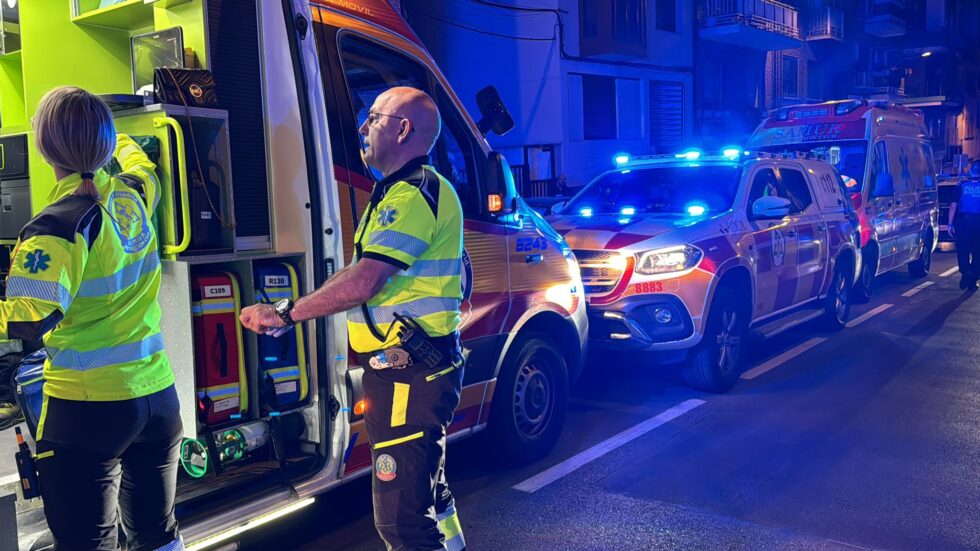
x=122 y=279
x=50 y=291
x=417 y=308
x=78 y=360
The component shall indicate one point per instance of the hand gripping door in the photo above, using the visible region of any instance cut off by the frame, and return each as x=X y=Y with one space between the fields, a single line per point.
x=219 y=356
x=283 y=369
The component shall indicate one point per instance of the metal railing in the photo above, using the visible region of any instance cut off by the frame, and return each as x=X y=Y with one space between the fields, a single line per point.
x=827 y=23
x=767 y=15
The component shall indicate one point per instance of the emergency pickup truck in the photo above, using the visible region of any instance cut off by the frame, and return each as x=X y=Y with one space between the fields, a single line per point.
x=262 y=186
x=685 y=254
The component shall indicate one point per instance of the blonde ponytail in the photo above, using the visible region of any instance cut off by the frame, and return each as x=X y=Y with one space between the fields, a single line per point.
x=73 y=130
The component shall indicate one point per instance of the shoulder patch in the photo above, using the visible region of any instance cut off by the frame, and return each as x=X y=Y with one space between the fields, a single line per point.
x=65 y=219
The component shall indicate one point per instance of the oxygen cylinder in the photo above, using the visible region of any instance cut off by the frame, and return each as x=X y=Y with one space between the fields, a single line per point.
x=234 y=443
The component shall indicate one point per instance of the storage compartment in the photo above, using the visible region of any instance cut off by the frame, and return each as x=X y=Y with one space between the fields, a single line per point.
x=284 y=378
x=221 y=384
x=196 y=214
x=9 y=28
x=15 y=189
x=271 y=435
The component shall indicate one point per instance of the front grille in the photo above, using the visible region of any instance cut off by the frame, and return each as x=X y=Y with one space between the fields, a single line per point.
x=601 y=270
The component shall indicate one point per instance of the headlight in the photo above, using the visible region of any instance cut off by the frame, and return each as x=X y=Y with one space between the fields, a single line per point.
x=662 y=261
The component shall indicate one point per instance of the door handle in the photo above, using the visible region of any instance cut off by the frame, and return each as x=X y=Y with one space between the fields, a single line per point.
x=821 y=227
x=533 y=259
x=898 y=202
x=790 y=233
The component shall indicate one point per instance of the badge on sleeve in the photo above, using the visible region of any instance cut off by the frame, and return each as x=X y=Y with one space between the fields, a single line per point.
x=386 y=216
x=37 y=261
x=385 y=467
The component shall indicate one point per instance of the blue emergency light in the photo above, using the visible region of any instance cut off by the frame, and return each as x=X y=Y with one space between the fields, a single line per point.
x=621 y=158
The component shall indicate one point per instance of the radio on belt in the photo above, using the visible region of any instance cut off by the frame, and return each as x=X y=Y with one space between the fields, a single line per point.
x=416 y=341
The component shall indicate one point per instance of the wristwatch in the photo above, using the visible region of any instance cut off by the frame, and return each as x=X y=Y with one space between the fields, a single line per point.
x=284 y=308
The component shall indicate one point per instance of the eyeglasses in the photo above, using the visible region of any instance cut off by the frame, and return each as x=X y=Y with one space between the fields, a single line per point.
x=373 y=118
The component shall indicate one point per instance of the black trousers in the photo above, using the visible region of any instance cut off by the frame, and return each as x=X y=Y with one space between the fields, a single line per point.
x=968 y=244
x=408 y=411
x=102 y=462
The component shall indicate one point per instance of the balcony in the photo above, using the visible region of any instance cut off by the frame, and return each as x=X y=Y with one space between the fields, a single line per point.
x=761 y=24
x=885 y=25
x=826 y=24
x=885 y=18
x=877 y=85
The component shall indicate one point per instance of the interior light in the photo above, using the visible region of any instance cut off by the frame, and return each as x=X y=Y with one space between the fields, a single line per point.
x=586 y=212
x=11 y=4
x=696 y=210
x=621 y=158
x=359 y=407
x=926 y=54
x=624 y=221
x=249 y=525
x=628 y=211
x=627 y=171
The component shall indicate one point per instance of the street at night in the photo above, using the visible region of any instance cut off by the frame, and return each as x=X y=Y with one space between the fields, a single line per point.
x=489 y=275
x=868 y=440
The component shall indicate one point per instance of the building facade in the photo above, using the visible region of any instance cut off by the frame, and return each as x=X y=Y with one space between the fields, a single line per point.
x=756 y=56
x=583 y=79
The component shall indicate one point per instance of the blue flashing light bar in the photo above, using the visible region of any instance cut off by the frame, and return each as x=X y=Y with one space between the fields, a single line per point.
x=696 y=209
x=731 y=152
x=621 y=158
x=628 y=211
x=586 y=212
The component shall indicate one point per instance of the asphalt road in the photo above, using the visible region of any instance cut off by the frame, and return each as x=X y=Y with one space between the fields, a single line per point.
x=864 y=439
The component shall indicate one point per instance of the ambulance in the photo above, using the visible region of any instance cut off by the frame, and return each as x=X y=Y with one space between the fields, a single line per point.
x=263 y=185
x=685 y=256
x=883 y=151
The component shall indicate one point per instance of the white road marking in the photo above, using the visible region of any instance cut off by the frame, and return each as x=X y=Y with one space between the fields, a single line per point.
x=868 y=315
x=779 y=360
x=548 y=476
x=9 y=479
x=916 y=290
x=950 y=272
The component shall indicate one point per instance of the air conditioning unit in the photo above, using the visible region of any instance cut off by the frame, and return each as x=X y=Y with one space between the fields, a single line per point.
x=9 y=27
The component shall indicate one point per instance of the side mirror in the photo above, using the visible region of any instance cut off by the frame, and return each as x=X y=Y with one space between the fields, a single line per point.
x=770 y=207
x=501 y=190
x=884 y=185
x=558 y=208
x=496 y=118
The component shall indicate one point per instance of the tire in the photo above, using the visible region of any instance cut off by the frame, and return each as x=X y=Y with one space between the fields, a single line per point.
x=717 y=361
x=920 y=267
x=864 y=286
x=837 y=305
x=530 y=400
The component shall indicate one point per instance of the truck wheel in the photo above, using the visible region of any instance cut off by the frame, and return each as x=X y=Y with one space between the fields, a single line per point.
x=869 y=270
x=920 y=267
x=530 y=400
x=837 y=305
x=717 y=360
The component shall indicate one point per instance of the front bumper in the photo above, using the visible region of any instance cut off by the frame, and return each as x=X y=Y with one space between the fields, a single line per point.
x=632 y=324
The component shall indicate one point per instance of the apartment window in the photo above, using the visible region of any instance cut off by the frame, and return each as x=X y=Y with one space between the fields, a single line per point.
x=666 y=115
x=791 y=70
x=630 y=21
x=813 y=84
x=667 y=15
x=598 y=107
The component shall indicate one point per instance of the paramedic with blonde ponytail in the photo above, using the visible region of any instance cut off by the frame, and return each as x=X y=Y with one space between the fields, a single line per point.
x=85 y=275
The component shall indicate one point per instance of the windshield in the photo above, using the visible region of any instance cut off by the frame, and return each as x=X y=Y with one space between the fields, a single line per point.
x=848 y=157
x=671 y=190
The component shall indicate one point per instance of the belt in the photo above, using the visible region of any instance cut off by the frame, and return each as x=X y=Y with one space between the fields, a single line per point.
x=399 y=358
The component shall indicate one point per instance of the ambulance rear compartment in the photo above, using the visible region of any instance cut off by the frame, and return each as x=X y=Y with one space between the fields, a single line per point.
x=235 y=226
